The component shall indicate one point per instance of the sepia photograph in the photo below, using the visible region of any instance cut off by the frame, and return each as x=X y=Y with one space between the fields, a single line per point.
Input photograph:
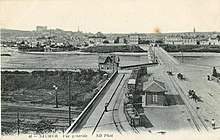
x=110 y=69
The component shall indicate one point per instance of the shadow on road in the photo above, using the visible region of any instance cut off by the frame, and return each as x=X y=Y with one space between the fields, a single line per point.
x=217 y=127
x=173 y=100
x=145 y=122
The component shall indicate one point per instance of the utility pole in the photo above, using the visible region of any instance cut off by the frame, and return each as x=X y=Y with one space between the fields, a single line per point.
x=56 y=99
x=69 y=98
x=182 y=56
x=18 y=123
x=154 y=53
x=113 y=61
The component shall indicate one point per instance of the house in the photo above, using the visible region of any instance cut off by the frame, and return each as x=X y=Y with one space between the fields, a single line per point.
x=153 y=93
x=47 y=48
x=133 y=39
x=204 y=41
x=214 y=40
x=108 y=63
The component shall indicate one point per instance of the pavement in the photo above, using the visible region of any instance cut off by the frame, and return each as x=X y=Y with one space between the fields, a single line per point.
x=100 y=121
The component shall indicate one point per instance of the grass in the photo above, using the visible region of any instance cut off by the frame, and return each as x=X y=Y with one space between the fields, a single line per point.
x=33 y=96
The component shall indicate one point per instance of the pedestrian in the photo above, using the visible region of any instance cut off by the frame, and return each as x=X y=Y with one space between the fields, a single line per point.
x=213 y=123
x=106 y=105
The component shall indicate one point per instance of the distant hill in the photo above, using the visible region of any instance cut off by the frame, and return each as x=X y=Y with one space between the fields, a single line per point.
x=5 y=31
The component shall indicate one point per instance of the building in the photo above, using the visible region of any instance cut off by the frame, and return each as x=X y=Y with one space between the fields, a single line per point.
x=183 y=39
x=121 y=40
x=153 y=93
x=204 y=41
x=108 y=63
x=133 y=39
x=214 y=40
x=41 y=28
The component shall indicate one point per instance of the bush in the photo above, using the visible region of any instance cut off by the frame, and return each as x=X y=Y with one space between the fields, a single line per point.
x=39 y=83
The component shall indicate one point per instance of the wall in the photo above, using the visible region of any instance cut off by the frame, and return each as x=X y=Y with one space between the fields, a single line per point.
x=81 y=119
x=160 y=99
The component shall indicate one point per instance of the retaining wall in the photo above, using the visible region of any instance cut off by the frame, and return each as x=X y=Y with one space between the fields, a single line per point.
x=82 y=118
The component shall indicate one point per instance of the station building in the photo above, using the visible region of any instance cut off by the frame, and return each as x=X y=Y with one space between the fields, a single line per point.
x=153 y=93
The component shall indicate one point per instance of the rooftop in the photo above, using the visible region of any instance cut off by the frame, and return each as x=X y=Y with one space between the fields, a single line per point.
x=154 y=86
x=131 y=81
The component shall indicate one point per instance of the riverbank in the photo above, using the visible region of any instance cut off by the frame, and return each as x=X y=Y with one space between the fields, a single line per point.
x=195 y=54
x=191 y=48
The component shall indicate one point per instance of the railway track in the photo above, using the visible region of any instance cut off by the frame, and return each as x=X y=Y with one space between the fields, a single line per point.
x=31 y=116
x=115 y=112
x=135 y=130
x=196 y=119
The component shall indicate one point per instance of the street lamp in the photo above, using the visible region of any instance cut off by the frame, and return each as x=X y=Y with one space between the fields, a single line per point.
x=55 y=87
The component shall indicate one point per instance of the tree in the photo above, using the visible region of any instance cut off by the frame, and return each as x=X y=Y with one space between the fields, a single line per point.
x=214 y=72
x=116 y=40
x=159 y=41
x=125 y=41
x=218 y=37
x=100 y=35
x=105 y=41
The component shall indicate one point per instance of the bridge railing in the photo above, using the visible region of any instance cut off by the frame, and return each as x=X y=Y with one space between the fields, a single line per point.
x=139 y=65
x=75 y=126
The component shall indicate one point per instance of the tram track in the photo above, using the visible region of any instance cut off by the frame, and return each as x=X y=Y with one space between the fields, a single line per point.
x=193 y=114
x=135 y=130
x=196 y=119
x=115 y=113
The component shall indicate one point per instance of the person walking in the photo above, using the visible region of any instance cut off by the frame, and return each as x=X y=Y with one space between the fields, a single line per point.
x=106 y=107
x=213 y=123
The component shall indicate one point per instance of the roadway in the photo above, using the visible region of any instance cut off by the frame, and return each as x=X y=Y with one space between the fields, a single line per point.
x=208 y=107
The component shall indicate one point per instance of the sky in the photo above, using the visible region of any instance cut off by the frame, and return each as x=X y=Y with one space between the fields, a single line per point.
x=112 y=16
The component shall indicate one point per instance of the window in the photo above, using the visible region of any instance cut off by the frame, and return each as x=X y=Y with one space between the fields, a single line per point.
x=154 y=98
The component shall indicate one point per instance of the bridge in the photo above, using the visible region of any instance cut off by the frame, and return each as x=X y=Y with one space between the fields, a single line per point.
x=94 y=119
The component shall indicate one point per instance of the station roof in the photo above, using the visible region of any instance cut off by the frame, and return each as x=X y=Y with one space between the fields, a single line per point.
x=132 y=81
x=154 y=86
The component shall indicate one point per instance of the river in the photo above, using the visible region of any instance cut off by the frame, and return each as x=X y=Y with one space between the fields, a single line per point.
x=200 y=59
x=63 y=59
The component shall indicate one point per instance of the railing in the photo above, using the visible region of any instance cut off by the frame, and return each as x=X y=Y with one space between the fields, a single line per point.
x=75 y=126
x=139 y=65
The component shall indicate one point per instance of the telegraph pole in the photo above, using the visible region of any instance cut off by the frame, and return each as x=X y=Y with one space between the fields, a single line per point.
x=154 y=53
x=56 y=98
x=69 y=98
x=18 y=123
x=182 y=54
x=113 y=61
